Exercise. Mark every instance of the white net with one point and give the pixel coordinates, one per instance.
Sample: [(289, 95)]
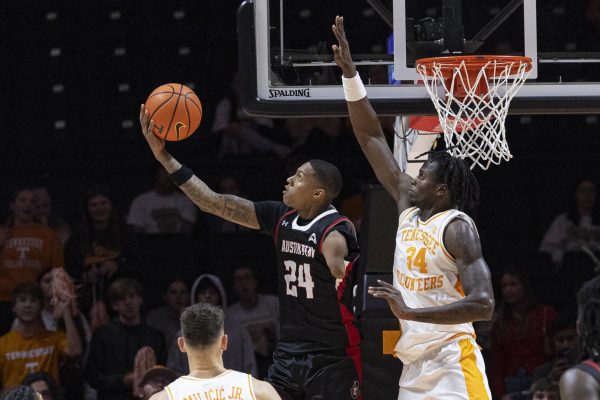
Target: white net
[(472, 99)]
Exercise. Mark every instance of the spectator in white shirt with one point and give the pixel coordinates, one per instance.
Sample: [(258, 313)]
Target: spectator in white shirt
[(576, 228), (162, 210)]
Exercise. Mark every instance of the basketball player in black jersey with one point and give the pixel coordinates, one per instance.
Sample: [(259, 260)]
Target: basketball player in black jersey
[(317, 356), (583, 380)]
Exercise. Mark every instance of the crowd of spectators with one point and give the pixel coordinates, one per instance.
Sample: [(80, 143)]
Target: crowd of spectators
[(98, 343)]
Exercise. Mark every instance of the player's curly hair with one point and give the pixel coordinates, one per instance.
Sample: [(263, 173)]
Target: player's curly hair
[(458, 177), (588, 300)]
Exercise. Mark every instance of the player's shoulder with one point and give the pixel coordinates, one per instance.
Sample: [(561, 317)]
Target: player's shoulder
[(460, 237), (337, 221), (337, 237), (458, 222), (263, 390), (459, 231), (578, 384), (341, 220), (162, 395)]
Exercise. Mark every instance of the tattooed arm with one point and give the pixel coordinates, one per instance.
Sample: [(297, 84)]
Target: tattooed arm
[(229, 207)]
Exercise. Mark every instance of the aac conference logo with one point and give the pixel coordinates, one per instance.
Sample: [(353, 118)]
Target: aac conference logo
[(289, 93)]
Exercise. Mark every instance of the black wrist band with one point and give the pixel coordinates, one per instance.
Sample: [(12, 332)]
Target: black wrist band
[(181, 176)]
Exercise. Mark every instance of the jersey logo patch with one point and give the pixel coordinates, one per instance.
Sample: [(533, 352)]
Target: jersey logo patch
[(355, 390), (313, 238)]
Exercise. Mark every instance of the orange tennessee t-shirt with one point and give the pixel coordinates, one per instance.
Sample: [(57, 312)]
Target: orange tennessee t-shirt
[(20, 356), (27, 251)]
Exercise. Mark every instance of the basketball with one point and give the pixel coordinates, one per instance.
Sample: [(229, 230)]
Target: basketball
[(176, 111)]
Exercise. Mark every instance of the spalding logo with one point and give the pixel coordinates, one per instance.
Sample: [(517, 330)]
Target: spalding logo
[(289, 93)]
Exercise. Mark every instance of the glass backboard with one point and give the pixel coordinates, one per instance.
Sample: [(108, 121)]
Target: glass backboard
[(287, 64)]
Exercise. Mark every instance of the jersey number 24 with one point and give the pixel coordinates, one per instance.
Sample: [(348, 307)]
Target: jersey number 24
[(298, 276)]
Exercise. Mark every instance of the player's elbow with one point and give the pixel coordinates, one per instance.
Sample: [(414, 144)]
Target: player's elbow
[(487, 308), (482, 306), (339, 272)]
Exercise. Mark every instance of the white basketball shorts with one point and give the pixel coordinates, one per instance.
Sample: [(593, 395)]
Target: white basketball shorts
[(453, 370)]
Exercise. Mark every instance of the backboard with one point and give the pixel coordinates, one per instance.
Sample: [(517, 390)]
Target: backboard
[(287, 66)]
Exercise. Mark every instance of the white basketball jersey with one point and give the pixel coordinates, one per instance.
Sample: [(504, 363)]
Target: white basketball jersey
[(426, 275), (229, 385)]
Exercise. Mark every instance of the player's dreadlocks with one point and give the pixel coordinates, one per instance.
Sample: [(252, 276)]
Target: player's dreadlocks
[(588, 300), (456, 174)]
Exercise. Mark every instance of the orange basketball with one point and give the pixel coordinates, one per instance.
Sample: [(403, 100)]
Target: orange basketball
[(176, 111)]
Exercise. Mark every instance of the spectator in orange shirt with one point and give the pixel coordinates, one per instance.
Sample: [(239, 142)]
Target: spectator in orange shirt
[(44, 213), (30, 347), (26, 248)]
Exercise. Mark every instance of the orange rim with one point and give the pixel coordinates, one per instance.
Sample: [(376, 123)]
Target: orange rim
[(469, 67), (474, 64)]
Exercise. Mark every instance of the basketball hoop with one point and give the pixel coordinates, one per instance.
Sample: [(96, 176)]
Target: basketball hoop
[(471, 95)]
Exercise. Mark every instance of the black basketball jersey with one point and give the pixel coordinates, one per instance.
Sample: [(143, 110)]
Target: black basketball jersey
[(315, 310)]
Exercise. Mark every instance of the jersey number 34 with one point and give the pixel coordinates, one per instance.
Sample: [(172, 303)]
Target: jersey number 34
[(298, 276), (415, 259)]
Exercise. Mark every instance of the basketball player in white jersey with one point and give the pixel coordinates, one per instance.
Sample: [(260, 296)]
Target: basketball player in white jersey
[(441, 281), (204, 342)]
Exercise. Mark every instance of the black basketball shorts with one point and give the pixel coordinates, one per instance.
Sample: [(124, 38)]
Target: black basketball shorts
[(315, 376)]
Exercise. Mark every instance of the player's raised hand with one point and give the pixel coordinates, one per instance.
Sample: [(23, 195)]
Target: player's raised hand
[(341, 51), (156, 144), (393, 297)]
